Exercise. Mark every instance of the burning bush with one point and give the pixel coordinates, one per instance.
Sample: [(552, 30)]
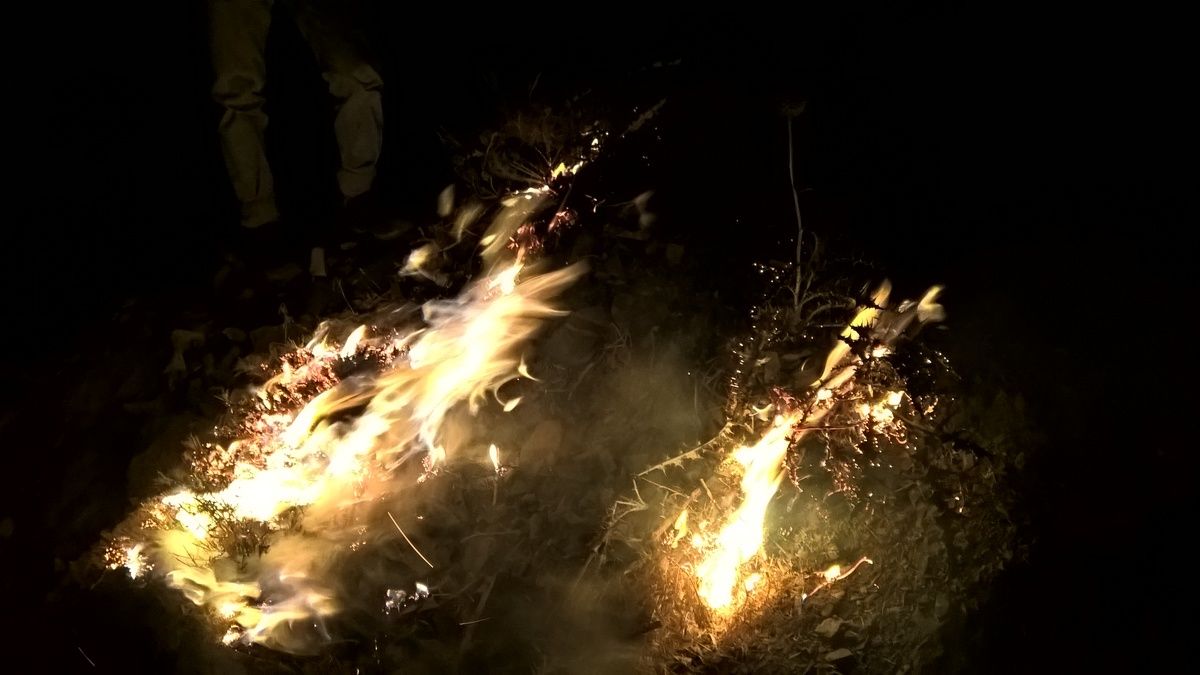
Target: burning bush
[(895, 519)]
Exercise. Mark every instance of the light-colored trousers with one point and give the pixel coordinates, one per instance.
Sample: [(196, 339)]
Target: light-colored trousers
[(238, 29)]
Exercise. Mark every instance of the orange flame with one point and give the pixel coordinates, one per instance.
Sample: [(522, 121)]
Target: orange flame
[(339, 469), (722, 575)]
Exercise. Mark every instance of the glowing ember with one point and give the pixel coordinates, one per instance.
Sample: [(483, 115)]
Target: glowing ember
[(319, 456), (397, 598), (131, 559), (832, 574)]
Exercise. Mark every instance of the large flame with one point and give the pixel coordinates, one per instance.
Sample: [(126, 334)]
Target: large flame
[(315, 475), (742, 536), (723, 574)]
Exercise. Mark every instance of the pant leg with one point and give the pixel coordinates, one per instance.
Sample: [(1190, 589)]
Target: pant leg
[(356, 87), (238, 31)]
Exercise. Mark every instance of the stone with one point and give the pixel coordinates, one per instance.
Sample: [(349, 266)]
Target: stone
[(829, 627), (838, 654)]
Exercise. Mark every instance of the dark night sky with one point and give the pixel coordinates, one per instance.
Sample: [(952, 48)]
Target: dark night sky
[(1032, 162)]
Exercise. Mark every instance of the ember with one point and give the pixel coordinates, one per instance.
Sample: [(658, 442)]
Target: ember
[(722, 569), (308, 478)]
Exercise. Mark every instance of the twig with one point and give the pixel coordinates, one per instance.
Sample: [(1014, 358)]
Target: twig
[(829, 427), (690, 454), (478, 611), (671, 490), (89, 659), (414, 547), (342, 289), (487, 534), (668, 522), (829, 582), (796, 204)]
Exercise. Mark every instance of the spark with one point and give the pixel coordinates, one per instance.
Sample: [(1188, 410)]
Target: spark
[(721, 574), (414, 547)]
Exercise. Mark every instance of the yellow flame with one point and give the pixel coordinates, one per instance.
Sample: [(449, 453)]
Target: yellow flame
[(752, 581), (563, 170), (832, 574), (721, 574), (338, 468), (742, 537), (134, 562), (494, 455)]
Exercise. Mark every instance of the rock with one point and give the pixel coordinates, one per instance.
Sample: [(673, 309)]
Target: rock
[(838, 654), (829, 627)]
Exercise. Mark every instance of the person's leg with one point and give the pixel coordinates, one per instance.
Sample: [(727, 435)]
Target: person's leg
[(238, 30), (358, 123)]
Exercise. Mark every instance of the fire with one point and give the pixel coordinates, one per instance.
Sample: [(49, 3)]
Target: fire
[(723, 579), (832, 574), (314, 475), (742, 537)]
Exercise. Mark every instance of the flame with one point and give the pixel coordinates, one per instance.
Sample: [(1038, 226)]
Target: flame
[(304, 456), (742, 537), (722, 578), (494, 455), (563, 170), (832, 574), (131, 558)]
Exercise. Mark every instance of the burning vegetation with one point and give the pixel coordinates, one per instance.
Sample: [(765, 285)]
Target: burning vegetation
[(494, 479)]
